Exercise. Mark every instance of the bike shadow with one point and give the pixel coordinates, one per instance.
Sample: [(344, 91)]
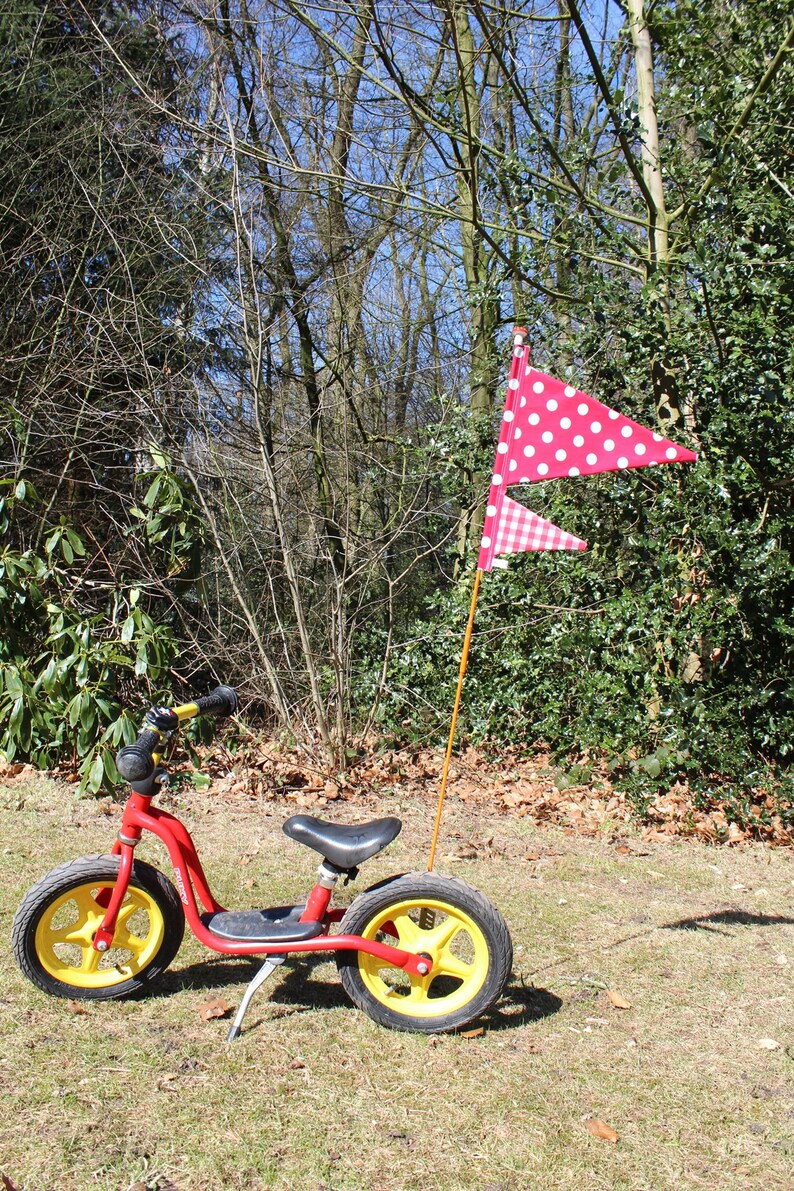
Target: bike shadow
[(727, 918), (295, 988)]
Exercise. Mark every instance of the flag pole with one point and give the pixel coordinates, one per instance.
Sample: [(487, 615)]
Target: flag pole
[(464, 657), (519, 335)]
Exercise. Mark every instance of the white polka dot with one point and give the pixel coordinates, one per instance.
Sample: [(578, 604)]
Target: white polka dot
[(561, 455), (570, 391), (582, 408), (512, 384), (578, 441), (529, 369), (542, 469), (491, 511), (538, 386), (623, 462), (529, 452), (671, 453), (513, 465), (502, 448), (524, 480), (614, 415), (485, 542), (565, 423), (627, 431), (496, 479), (639, 449), (534, 419), (609, 444), (595, 427), (517, 432), (552, 405), (573, 471), (523, 402), (547, 436), (592, 459), (657, 437), (509, 415)]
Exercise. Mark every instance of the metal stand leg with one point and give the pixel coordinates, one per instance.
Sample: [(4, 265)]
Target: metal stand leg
[(269, 966)]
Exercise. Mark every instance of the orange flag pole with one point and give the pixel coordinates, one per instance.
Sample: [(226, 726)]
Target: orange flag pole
[(464, 658)]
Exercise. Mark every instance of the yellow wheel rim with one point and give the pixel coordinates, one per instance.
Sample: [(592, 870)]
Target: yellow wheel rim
[(455, 944), (67, 927)]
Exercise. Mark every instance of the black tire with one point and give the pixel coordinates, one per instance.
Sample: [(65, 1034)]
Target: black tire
[(58, 917), (450, 921)]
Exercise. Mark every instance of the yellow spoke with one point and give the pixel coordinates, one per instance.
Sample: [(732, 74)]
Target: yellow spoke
[(419, 988), (91, 960), (408, 932), (82, 935), (449, 965), (123, 938), (87, 905), (126, 911), (441, 936)]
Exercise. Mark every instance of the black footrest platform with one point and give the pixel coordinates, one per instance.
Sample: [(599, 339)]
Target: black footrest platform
[(279, 924)]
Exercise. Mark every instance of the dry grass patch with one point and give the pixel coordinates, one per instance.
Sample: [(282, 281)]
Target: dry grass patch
[(699, 941)]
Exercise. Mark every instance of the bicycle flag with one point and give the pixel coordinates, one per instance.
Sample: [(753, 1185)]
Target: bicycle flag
[(550, 429), (520, 530)]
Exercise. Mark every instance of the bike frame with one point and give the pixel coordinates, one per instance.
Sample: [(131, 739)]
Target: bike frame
[(139, 816)]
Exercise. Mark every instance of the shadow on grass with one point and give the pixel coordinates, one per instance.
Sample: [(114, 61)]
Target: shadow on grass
[(713, 922), (293, 988)]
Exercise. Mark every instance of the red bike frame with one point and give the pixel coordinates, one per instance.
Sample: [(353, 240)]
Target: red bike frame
[(140, 816)]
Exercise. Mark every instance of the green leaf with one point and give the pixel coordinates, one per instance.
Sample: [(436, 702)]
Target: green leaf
[(96, 775), (76, 543), (87, 714)]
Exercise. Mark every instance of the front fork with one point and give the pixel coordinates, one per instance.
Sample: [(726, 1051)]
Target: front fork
[(125, 848)]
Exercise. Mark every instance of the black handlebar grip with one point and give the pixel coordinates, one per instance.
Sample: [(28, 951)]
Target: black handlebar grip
[(134, 762), (221, 701)]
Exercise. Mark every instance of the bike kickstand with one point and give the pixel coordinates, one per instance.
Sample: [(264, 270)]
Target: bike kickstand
[(268, 967)]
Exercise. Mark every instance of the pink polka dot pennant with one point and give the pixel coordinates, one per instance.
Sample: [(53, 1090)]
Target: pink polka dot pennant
[(550, 430), (564, 432)]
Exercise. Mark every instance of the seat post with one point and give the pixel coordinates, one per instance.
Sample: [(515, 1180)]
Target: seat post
[(320, 897)]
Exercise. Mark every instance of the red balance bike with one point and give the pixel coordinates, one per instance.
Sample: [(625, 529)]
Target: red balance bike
[(416, 952)]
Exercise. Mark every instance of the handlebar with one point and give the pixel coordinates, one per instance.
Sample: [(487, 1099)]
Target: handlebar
[(136, 762)]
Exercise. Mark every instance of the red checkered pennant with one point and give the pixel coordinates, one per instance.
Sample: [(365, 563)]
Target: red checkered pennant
[(521, 530), (550, 429)]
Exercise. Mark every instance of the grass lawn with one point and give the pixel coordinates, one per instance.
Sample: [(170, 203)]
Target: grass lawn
[(699, 940)]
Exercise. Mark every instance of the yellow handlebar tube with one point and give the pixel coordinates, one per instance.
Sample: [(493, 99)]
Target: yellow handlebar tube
[(185, 711)]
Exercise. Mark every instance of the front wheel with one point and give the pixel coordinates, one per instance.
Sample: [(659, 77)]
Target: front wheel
[(56, 922), (444, 918)]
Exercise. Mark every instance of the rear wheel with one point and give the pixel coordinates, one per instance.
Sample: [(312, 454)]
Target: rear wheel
[(56, 922), (463, 935)]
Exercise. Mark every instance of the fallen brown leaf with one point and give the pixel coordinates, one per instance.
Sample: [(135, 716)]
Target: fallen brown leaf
[(215, 1007), (472, 1033), (76, 1008), (618, 1001), (601, 1129)]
